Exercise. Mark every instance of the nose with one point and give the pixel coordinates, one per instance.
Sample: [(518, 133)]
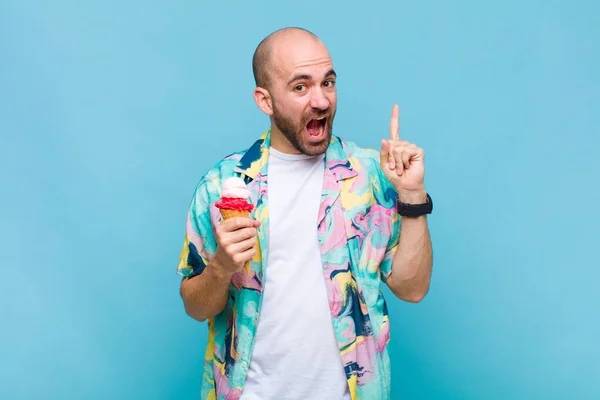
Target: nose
[(319, 100)]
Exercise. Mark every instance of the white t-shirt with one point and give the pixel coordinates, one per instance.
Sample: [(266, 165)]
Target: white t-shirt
[(295, 354)]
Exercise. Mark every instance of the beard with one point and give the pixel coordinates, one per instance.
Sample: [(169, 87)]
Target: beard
[(294, 131)]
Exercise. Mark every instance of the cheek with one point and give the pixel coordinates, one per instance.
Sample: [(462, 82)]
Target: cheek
[(332, 98), (293, 106), (300, 110), (302, 105)]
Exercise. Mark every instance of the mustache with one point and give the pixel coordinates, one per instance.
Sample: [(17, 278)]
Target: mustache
[(316, 115)]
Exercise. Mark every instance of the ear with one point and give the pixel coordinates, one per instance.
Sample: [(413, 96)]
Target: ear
[(262, 97)]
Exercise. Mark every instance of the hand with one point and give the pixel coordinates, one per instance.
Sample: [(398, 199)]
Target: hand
[(403, 164), (236, 238)]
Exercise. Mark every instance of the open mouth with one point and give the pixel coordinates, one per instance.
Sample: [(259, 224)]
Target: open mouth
[(316, 127)]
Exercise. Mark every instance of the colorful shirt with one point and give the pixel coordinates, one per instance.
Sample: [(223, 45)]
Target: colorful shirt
[(358, 231)]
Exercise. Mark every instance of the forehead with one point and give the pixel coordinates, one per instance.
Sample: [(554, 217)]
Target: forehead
[(307, 55)]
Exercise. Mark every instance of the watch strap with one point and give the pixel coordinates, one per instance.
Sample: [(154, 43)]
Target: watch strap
[(415, 210)]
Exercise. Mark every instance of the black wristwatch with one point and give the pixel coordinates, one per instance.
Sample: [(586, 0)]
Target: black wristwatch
[(414, 210)]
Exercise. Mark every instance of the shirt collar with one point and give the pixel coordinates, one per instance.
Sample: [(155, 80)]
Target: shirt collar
[(256, 157)]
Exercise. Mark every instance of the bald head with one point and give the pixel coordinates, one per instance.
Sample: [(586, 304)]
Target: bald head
[(262, 61), (296, 88)]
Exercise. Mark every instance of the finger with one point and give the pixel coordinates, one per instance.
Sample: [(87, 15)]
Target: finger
[(397, 154), (383, 153), (419, 154), (242, 247), (227, 238), (396, 143), (395, 123), (243, 257), (416, 153), (234, 224), (385, 156), (406, 155)]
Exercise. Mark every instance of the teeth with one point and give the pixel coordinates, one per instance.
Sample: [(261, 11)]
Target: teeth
[(318, 119)]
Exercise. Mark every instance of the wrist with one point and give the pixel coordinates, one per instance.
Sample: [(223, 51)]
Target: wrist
[(414, 204), (220, 271), (412, 196)]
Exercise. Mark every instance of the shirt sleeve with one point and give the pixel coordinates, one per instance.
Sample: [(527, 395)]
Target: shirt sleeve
[(385, 268), (387, 196), (199, 242)]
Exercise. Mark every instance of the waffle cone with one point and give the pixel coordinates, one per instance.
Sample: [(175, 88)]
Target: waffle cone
[(228, 214)]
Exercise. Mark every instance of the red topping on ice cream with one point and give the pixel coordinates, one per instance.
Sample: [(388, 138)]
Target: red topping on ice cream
[(234, 203), (234, 195)]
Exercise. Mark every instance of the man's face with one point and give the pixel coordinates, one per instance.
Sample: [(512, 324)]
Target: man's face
[(304, 95)]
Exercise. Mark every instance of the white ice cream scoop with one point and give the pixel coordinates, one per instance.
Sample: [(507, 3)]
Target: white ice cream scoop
[(235, 187)]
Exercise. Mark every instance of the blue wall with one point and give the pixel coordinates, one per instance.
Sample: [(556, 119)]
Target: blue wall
[(111, 111)]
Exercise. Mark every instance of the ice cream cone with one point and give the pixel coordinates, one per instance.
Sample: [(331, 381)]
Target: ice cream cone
[(234, 204), (228, 214)]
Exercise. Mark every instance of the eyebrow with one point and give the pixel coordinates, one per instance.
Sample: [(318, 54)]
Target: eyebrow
[(308, 77)]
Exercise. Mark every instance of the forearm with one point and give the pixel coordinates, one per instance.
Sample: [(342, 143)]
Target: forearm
[(412, 263), (205, 295), (403, 165)]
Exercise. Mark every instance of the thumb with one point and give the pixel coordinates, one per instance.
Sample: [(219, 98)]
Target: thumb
[(384, 153), (385, 156)]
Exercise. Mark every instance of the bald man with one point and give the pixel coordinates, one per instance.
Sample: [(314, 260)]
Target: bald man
[(331, 224)]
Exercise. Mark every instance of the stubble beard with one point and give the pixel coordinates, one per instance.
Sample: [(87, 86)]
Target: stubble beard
[(293, 132)]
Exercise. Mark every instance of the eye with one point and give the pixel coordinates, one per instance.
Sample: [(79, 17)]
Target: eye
[(299, 88), (329, 83)]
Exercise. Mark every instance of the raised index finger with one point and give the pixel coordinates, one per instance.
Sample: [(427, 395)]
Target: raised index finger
[(395, 123)]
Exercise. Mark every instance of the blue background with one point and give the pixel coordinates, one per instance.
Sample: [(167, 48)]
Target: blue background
[(110, 112)]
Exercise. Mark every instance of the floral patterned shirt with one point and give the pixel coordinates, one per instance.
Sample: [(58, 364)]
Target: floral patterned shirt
[(358, 230)]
